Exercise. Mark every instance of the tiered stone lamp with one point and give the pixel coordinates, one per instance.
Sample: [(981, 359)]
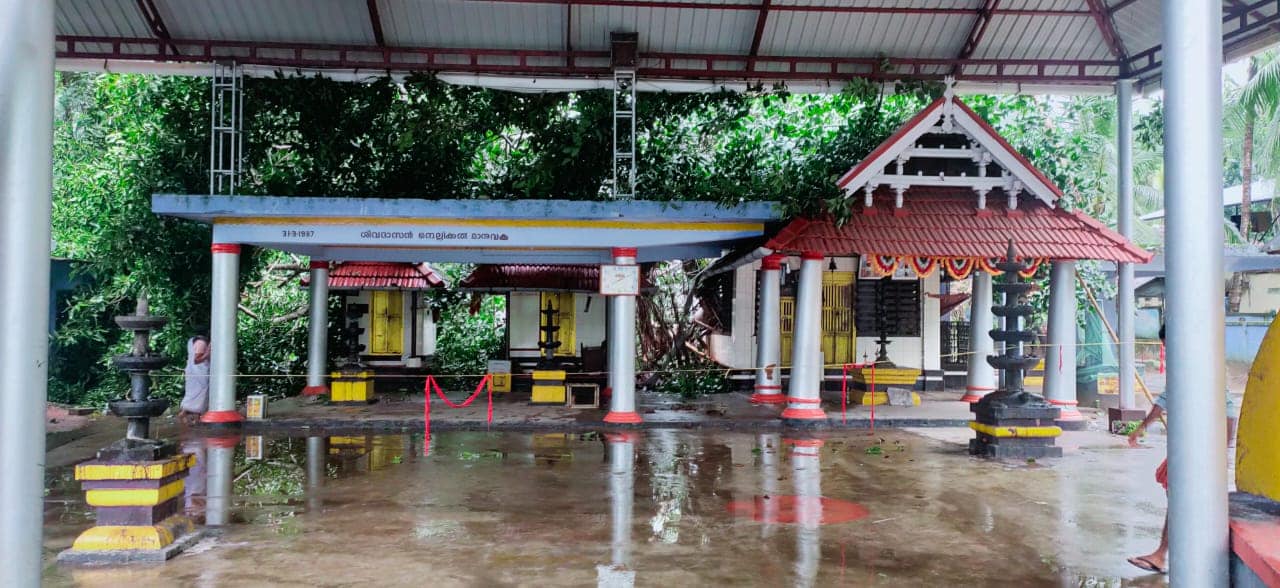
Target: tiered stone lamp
[(1012, 422), (548, 382), (874, 383), (135, 484)]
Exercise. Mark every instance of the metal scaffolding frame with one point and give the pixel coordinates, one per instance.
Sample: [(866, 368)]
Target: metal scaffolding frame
[(624, 134), (226, 119)]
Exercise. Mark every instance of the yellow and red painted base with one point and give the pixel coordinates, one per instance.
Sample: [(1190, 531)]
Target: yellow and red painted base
[(623, 418), (768, 395), (1255, 509), (320, 390), (803, 411), (973, 394), (138, 505)]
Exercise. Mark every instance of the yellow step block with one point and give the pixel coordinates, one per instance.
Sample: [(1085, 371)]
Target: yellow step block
[(878, 398), (544, 394), (1022, 432), (139, 537)]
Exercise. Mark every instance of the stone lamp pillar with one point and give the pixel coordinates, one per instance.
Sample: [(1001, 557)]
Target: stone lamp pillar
[(1012, 422), (135, 484)]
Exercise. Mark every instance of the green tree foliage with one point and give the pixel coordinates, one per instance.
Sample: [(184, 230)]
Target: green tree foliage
[(121, 138)]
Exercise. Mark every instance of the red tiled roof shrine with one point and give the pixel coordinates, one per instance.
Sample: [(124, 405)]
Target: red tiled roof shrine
[(381, 275), (945, 223), (544, 277), (575, 278)]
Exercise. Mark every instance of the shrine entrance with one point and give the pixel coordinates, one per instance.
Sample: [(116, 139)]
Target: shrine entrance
[(839, 335)]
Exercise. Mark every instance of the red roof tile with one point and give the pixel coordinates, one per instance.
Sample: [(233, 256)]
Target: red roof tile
[(578, 278), (943, 222), (379, 275)]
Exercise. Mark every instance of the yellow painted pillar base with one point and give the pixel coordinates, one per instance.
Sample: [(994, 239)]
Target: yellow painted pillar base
[(1257, 444), (138, 507)]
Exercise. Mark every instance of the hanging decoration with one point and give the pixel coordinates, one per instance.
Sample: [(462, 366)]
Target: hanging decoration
[(884, 265), (989, 266), (1031, 268), (958, 268), (923, 266)]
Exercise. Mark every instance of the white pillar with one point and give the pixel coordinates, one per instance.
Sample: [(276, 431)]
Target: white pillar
[(621, 495), (1194, 306), (981, 379), (806, 471), (622, 350), (770, 449), (221, 470), (768, 388), (26, 188), (317, 454), (1125, 308), (318, 330), (1060, 356), (804, 398), (222, 336)]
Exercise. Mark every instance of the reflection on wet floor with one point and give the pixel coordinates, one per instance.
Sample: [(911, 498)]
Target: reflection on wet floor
[(654, 507)]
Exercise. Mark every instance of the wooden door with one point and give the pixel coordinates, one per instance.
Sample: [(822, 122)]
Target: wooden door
[(837, 317), (386, 322)]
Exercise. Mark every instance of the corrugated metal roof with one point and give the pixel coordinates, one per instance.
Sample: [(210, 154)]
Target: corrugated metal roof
[(303, 21), (1061, 41)]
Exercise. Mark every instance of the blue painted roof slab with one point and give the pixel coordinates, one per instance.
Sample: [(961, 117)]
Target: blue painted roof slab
[(206, 208), (476, 231)]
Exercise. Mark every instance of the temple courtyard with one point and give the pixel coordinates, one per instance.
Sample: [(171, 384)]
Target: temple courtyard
[(652, 507)]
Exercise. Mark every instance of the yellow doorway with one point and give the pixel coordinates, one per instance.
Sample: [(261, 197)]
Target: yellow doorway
[(838, 331), (562, 303), (386, 322), (837, 317)]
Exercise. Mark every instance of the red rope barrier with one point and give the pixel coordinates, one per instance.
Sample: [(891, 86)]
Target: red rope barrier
[(431, 384)]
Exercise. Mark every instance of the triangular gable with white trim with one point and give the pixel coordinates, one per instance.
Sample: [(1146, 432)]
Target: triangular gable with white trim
[(932, 134)]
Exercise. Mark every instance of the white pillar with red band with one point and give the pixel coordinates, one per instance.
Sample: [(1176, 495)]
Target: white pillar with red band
[(622, 350), (222, 335), (768, 388), (806, 473), (1060, 356), (318, 330), (804, 402), (981, 379)]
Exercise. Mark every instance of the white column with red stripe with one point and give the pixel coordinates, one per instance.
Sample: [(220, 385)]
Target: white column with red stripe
[(1060, 356), (222, 335), (318, 330), (622, 350), (768, 388), (981, 379), (804, 402)]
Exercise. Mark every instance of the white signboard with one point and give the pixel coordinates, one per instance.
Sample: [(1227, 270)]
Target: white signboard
[(620, 280)]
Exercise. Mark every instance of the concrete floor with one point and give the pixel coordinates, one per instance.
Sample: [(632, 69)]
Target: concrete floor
[(658, 508)]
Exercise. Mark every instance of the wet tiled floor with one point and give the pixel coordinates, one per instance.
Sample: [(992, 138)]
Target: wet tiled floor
[(649, 508)]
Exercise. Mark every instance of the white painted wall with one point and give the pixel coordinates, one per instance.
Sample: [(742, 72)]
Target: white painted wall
[(523, 323), (590, 325), (931, 319)]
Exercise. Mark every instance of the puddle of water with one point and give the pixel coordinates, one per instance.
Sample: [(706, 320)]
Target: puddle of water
[(658, 507)]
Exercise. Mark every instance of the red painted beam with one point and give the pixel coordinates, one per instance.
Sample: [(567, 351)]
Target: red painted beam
[(761, 18), (154, 21), (702, 66), (376, 22), (1107, 29), (979, 29)]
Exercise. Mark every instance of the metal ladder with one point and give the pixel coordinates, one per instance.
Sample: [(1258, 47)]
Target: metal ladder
[(226, 142)]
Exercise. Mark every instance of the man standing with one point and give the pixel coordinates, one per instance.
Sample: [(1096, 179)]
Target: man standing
[(195, 400)]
